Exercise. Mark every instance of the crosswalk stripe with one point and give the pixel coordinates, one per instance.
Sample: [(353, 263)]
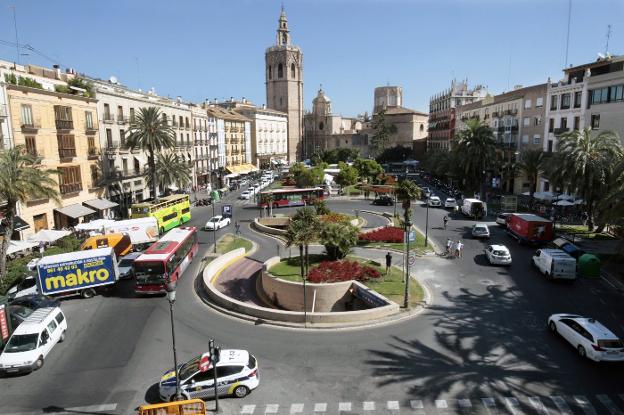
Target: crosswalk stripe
[(416, 404), (464, 403), (320, 407), (248, 409), (344, 406), (583, 402), (513, 405), (488, 402), (441, 404), (537, 404), (94, 408), (609, 404), (271, 408), (368, 406), (296, 408), (561, 404), (393, 405)]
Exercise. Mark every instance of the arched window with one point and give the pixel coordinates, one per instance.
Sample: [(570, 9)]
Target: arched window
[(292, 70), (280, 71), (270, 73), (321, 125), (422, 128)]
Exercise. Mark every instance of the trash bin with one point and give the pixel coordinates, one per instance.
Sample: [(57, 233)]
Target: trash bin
[(589, 266)]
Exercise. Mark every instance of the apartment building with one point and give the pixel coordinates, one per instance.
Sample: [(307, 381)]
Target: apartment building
[(269, 136), (442, 112), (201, 127), (57, 122)]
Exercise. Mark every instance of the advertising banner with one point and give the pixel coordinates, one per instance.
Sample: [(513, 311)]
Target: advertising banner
[(77, 274), (4, 325), (140, 231)]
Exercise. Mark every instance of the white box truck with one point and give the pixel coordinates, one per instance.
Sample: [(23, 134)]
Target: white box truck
[(142, 231)]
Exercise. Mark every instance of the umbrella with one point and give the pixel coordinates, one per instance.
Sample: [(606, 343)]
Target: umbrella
[(94, 225), (564, 203), (543, 195), (16, 246), (48, 235)]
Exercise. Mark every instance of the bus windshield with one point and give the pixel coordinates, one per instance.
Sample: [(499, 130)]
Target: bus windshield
[(149, 271)]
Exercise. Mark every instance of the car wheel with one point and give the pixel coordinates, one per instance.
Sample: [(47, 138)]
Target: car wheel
[(552, 326), (581, 351), (62, 338), (241, 391), (87, 293), (39, 363)]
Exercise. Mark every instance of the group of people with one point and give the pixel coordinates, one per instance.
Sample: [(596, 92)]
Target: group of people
[(454, 249)]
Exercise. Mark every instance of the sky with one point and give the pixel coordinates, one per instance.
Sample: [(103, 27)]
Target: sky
[(206, 49)]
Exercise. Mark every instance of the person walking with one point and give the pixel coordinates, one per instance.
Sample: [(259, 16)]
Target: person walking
[(388, 262), (445, 220), (458, 249), (237, 228), (449, 246)]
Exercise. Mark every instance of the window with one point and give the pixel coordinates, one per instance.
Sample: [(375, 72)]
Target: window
[(66, 146), (617, 93), (44, 338), (59, 318), (536, 139), (551, 125), (577, 123), (595, 121), (537, 121), (550, 146), (525, 139), (565, 101), (527, 104), (292, 71), (107, 114), (280, 71), (577, 99), (526, 121), (120, 113), (131, 114), (546, 184), (564, 123), (228, 370), (40, 222), (70, 180), (539, 102), (89, 120), (109, 137), (599, 96), (553, 103), (91, 145), (27, 115), (122, 137), (270, 72), (31, 146), (95, 175), (52, 326)]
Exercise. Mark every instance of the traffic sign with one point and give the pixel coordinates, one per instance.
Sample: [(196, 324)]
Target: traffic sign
[(412, 236), (204, 363), (412, 258)]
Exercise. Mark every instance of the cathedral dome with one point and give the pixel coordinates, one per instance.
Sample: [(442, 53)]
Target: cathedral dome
[(321, 97)]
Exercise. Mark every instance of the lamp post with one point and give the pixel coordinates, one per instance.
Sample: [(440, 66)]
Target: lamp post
[(427, 220), (408, 226), (170, 287), (305, 295), (214, 231)]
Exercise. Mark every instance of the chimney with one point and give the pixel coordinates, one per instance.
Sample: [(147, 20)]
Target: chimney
[(263, 106)]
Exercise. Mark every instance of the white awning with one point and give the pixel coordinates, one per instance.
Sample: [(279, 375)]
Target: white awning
[(75, 211), (48, 235), (17, 246), (100, 204)]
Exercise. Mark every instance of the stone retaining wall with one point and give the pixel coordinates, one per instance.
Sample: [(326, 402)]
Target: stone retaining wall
[(267, 229)]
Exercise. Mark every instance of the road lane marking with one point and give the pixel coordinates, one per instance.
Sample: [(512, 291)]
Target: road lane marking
[(561, 404), (609, 404), (464, 403), (488, 402), (393, 405), (538, 405), (93, 408), (368, 406), (248, 409), (513, 405), (271, 408), (344, 406), (416, 404), (441, 404), (296, 408), (583, 402), (320, 407)]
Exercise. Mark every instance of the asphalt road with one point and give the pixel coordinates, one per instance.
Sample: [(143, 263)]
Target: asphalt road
[(483, 337)]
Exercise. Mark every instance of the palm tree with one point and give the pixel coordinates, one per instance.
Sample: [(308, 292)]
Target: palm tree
[(589, 161), (407, 191), (338, 238), (476, 152), (22, 179), (172, 171), (531, 164), (151, 133), (302, 230)]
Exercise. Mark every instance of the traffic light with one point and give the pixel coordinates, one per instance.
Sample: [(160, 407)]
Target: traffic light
[(216, 354)]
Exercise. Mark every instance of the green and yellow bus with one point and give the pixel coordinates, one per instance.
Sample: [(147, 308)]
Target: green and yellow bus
[(170, 211)]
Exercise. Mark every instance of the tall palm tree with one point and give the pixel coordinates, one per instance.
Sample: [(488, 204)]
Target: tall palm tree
[(172, 170), (407, 191), (151, 133), (589, 161), (21, 179), (303, 229), (531, 164), (476, 152)]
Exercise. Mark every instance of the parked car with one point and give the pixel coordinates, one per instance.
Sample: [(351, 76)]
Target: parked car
[(555, 264), (216, 223), (27, 286), (383, 200), (590, 338), (480, 230), (237, 372), (434, 201), (501, 219), (35, 301), (498, 255), (245, 195), (450, 203), (125, 265)]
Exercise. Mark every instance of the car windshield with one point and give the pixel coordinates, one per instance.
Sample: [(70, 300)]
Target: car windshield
[(500, 253), (215, 219), (149, 271), (611, 344), (21, 343), (126, 263), (190, 368), (480, 228), (450, 200)]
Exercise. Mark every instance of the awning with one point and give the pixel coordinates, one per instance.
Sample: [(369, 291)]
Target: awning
[(230, 176), (48, 235), (17, 246), (75, 211), (100, 204), (19, 224), (241, 168)]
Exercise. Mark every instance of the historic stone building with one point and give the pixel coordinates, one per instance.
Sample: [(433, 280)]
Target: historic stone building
[(284, 85)]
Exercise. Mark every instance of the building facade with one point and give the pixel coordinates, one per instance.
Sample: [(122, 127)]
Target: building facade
[(442, 116), (269, 136), (284, 85), (202, 146), (387, 96)]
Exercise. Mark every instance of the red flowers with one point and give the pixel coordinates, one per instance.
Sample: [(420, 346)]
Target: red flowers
[(336, 271), (387, 234)]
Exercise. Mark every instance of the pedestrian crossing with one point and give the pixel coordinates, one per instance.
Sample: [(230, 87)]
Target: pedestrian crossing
[(513, 405)]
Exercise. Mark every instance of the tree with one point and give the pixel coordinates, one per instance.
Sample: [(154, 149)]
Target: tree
[(173, 170), (395, 154), (531, 164), (320, 206), (407, 191), (151, 133), (476, 153), (310, 177), (338, 238), (348, 175), (22, 179), (335, 155), (302, 230), (382, 130), (368, 169), (589, 161)]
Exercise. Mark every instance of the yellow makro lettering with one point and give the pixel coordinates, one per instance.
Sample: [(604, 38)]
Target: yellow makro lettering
[(77, 279)]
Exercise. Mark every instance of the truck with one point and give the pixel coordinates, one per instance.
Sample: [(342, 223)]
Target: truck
[(77, 273), (529, 228), (474, 208), (142, 231)]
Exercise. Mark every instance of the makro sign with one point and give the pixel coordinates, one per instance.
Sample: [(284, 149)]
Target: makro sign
[(77, 274)]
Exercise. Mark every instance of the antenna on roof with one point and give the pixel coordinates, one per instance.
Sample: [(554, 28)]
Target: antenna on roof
[(608, 37), (568, 35)]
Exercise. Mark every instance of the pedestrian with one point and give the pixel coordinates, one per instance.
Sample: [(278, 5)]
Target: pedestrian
[(237, 227), (449, 246), (445, 220), (458, 249), (388, 262)]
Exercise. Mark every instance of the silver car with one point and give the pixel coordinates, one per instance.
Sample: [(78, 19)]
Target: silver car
[(480, 230)]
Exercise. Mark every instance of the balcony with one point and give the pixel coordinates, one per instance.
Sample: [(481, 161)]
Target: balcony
[(91, 129), (112, 147), (93, 153), (70, 188), (108, 119), (495, 114), (64, 124), (561, 130), (66, 154), (31, 126), (122, 120)]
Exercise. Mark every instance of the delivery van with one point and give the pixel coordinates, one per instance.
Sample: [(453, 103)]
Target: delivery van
[(474, 208), (555, 264), (120, 243)]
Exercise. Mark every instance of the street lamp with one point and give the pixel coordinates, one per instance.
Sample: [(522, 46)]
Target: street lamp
[(427, 220), (408, 226), (170, 287), (214, 231)]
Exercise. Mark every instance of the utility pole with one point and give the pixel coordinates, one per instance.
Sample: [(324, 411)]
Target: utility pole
[(17, 47)]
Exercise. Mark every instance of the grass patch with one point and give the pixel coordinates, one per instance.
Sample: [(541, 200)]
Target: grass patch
[(229, 242), (580, 231), (390, 286)]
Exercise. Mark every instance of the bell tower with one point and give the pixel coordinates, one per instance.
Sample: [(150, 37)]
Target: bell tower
[(284, 84)]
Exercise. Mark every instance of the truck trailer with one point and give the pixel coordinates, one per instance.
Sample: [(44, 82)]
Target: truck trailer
[(529, 228)]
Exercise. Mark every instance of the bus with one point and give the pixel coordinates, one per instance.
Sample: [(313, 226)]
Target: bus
[(290, 197), (170, 211), (165, 261)]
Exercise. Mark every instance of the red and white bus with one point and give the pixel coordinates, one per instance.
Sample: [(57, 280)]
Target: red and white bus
[(165, 260), (290, 197)]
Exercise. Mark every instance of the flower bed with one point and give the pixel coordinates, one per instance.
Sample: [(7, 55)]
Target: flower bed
[(334, 218), (336, 271), (387, 234)]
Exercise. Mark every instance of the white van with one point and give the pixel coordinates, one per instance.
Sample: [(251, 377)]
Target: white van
[(32, 340), (469, 205), (555, 264)]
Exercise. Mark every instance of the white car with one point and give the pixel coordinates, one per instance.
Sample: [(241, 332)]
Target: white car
[(32, 341), (590, 338), (450, 203), (216, 223), (125, 265), (434, 201), (480, 230), (27, 286), (245, 195), (498, 255), (501, 219), (237, 374)]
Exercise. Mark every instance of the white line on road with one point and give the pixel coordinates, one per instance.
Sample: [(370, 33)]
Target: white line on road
[(248, 409), (561, 404), (416, 404), (441, 404), (513, 405), (464, 403), (320, 407), (584, 403), (538, 405), (368, 406), (609, 404), (488, 402), (393, 405), (296, 408), (344, 406), (271, 408), (94, 408)]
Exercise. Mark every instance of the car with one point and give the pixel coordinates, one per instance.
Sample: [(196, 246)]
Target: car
[(555, 264), (237, 372), (480, 230), (588, 336), (434, 201), (35, 301), (27, 286), (125, 265), (383, 200), (498, 255), (501, 219), (426, 192), (244, 182), (450, 203), (245, 195), (216, 223)]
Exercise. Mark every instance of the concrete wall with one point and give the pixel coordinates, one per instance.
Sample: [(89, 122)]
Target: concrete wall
[(265, 229)]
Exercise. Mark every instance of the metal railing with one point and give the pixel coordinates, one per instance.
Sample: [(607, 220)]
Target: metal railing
[(70, 188), (64, 124), (66, 153), (108, 118)]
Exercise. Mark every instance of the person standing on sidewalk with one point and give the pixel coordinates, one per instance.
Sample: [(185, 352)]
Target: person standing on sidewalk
[(458, 249), (388, 262), (445, 220), (449, 246)]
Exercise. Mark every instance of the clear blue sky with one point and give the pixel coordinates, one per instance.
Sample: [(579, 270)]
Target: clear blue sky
[(214, 48)]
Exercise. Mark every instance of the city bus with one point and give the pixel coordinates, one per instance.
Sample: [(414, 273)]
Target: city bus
[(166, 260), (290, 197), (170, 211)]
